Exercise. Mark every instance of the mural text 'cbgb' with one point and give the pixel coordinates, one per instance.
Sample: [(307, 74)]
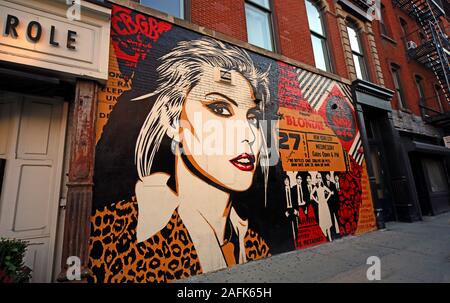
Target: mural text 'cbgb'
[(209, 155)]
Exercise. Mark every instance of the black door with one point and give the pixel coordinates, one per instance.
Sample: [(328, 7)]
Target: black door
[(421, 184), (379, 164)]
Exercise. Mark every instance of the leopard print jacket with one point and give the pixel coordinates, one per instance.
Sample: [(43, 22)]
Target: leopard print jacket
[(116, 256)]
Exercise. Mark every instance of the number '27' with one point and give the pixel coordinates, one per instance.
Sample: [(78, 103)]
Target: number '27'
[(284, 138)]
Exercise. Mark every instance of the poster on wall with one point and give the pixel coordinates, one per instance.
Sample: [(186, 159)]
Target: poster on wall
[(307, 143), (209, 155)]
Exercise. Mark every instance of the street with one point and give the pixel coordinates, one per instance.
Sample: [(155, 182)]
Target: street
[(409, 252)]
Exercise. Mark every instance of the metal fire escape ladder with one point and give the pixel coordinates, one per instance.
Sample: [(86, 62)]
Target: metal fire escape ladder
[(434, 52)]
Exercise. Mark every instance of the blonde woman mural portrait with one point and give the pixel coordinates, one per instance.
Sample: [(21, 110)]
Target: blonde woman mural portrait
[(209, 99)]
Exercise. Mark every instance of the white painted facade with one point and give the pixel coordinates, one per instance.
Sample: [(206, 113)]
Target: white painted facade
[(38, 40)]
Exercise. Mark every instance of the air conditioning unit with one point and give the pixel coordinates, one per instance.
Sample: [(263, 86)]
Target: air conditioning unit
[(411, 45)]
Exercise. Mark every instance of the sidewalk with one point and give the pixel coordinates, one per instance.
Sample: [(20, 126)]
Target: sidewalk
[(409, 252)]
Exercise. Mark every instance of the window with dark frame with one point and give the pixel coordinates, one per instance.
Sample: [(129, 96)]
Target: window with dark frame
[(437, 95), (383, 27), (171, 7), (258, 15), (404, 27), (318, 36), (419, 84), (357, 51), (398, 85), (435, 172)]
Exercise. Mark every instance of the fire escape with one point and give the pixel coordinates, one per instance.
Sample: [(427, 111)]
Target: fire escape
[(433, 52)]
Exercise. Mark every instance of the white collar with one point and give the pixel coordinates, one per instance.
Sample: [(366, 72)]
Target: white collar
[(205, 241), (154, 213)]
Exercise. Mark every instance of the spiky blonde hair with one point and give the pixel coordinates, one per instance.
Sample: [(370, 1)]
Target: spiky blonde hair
[(180, 70)]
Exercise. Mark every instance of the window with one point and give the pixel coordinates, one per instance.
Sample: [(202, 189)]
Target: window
[(172, 7), (357, 52), (437, 95), (318, 37), (397, 85), (436, 175), (404, 27), (420, 89), (383, 27), (259, 29)]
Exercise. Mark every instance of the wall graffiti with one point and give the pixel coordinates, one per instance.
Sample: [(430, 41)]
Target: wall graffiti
[(209, 155)]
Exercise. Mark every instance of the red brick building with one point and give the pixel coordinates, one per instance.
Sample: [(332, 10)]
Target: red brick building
[(388, 60), (290, 30), (395, 56), (412, 42)]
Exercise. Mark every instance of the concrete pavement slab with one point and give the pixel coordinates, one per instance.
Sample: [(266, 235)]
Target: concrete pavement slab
[(408, 252)]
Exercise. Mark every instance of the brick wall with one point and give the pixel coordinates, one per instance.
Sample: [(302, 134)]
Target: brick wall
[(224, 16), (294, 41), (293, 35)]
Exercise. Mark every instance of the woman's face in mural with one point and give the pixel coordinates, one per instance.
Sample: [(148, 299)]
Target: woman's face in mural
[(287, 181), (219, 130), (319, 179)]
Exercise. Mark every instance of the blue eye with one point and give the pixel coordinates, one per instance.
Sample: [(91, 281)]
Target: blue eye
[(220, 108)]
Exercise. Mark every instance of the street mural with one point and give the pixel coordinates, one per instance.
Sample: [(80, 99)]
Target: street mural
[(209, 155)]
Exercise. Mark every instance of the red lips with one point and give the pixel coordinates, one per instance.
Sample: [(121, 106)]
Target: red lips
[(245, 162)]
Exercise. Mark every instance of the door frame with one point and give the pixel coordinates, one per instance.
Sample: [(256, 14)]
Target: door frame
[(421, 184), (373, 119), (59, 163)]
